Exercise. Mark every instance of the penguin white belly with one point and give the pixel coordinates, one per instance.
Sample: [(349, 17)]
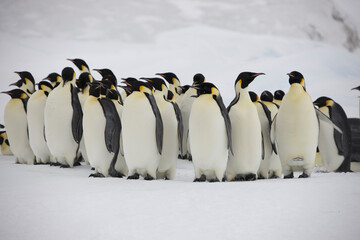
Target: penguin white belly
[(94, 128), (297, 130), (58, 129), (35, 118), (169, 156), (246, 139), (327, 146), (17, 132), (139, 140), (208, 139), (120, 165)]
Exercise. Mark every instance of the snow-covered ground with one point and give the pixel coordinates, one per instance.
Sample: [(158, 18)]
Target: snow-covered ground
[(43, 202), (219, 39)]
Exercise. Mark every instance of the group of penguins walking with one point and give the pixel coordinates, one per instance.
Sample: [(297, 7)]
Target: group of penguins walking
[(142, 131)]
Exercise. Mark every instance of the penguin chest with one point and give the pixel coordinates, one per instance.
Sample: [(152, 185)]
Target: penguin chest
[(207, 134), (139, 129)]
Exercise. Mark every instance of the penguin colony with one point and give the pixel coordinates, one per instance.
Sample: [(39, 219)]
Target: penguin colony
[(142, 131)]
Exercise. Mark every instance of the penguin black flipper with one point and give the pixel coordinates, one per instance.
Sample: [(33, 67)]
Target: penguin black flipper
[(272, 134), (233, 102), (112, 132), (159, 123), (76, 122), (225, 114), (267, 112), (180, 123), (276, 105)]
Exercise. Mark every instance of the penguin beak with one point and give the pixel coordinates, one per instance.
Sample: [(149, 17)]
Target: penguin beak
[(8, 93), (160, 74), (258, 74), (146, 79), (289, 74), (356, 88), (98, 70), (71, 60), (17, 83)]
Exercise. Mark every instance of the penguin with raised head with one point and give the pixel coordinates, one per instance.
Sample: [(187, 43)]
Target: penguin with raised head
[(80, 64), (26, 83), (334, 147), (174, 82), (185, 107), (246, 132), (4, 144), (172, 122), (17, 127), (63, 120), (278, 96), (142, 140), (36, 125), (295, 129), (265, 122), (275, 165), (209, 134)]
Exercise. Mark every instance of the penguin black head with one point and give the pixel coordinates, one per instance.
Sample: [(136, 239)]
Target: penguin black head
[(112, 94), (1, 126), (85, 79), (323, 101), (110, 80), (129, 80), (17, 93), (105, 72), (184, 88), (95, 89), (68, 74), (80, 64), (245, 78), (266, 96), (157, 83), (253, 96), (356, 88), (128, 89), (206, 88), (26, 76), (53, 77), (296, 77), (140, 86), (198, 79), (279, 95), (45, 86), (170, 77), (18, 83)]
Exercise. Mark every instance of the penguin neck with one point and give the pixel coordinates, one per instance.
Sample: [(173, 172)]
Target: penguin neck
[(244, 95), (296, 90)]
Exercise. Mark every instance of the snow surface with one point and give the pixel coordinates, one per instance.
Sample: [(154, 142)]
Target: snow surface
[(43, 202), (219, 39)]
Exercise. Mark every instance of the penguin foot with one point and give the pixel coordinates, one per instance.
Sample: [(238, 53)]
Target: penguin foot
[(239, 178), (304, 175), (273, 177), (148, 177), (190, 158), (134, 176), (64, 166), (250, 177), (291, 175), (55, 164), (97, 175), (223, 179), (260, 176), (116, 174), (214, 180), (200, 179), (77, 163)]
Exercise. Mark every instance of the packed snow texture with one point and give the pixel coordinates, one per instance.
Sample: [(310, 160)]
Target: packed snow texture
[(220, 39)]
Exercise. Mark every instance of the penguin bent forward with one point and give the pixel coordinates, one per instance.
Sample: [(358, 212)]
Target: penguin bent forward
[(209, 134), (142, 132)]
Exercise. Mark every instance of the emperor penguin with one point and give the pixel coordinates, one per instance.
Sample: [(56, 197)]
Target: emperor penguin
[(185, 107), (26, 82), (36, 126), (172, 122), (265, 122), (209, 134), (246, 132), (55, 79), (102, 128), (278, 96), (295, 129), (142, 132), (63, 120), (80, 64), (183, 91), (17, 127), (5, 145), (275, 165), (174, 82), (335, 148)]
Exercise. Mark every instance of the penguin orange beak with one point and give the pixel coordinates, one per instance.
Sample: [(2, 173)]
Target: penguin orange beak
[(98, 70), (356, 88)]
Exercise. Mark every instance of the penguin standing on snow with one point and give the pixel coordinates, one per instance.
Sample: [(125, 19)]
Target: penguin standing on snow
[(174, 83), (17, 127), (4, 143), (185, 107), (26, 83), (210, 134), (246, 132), (172, 121), (335, 148), (142, 132), (35, 118), (63, 120), (265, 121)]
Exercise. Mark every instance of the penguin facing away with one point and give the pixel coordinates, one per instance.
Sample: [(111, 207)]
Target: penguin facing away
[(334, 147), (5, 145), (63, 120), (209, 134), (35, 119), (172, 122), (246, 132), (142, 132), (17, 127)]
